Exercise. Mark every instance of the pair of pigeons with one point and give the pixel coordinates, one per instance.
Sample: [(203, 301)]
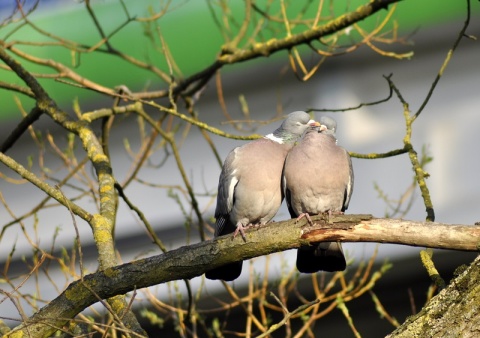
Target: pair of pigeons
[(314, 176)]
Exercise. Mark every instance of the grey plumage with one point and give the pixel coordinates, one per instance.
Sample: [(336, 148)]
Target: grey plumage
[(249, 187), (318, 178)]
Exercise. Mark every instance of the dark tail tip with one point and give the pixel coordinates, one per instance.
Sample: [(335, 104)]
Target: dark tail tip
[(324, 257), (227, 272)]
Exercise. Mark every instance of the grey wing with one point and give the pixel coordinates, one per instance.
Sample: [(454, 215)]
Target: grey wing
[(287, 194), (226, 192), (349, 187)]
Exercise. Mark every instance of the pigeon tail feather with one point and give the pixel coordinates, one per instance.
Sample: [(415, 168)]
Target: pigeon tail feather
[(326, 256), (227, 272)]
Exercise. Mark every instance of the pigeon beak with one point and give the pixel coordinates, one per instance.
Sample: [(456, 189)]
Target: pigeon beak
[(323, 127), (313, 123)]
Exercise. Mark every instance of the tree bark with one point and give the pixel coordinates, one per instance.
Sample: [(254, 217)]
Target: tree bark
[(454, 312)]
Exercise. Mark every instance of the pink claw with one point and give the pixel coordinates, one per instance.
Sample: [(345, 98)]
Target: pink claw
[(307, 216), (241, 229)]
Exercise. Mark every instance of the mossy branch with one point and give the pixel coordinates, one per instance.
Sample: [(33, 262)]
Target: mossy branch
[(420, 174), (137, 107), (102, 223)]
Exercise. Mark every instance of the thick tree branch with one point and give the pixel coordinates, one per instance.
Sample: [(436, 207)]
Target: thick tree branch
[(396, 231), (452, 313), (192, 261)]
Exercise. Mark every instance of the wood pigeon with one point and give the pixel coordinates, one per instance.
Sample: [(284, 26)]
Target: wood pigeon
[(318, 178), (250, 184)]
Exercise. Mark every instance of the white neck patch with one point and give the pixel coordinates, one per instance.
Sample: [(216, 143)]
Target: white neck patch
[(274, 138)]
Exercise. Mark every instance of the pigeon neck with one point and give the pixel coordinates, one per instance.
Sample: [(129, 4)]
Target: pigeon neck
[(274, 138), (281, 136)]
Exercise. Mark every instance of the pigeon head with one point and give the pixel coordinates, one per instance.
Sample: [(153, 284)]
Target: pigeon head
[(328, 125), (294, 126)]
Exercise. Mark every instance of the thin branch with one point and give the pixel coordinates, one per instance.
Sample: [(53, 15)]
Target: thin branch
[(420, 174), (18, 131), (48, 189), (360, 105), (142, 217), (373, 156), (426, 256), (17, 88), (461, 35)]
